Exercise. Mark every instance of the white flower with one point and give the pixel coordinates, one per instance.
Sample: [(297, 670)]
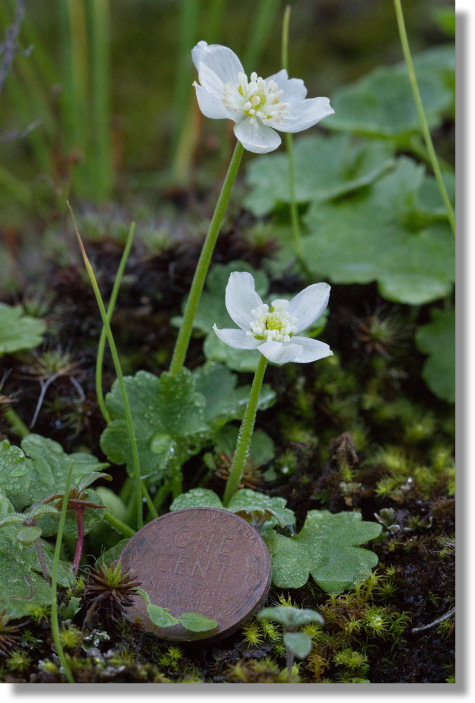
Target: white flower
[(258, 106), (274, 331)]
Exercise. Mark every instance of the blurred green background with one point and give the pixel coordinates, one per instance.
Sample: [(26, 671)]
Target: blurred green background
[(105, 87)]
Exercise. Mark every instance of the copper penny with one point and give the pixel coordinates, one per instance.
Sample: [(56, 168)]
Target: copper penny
[(206, 560)]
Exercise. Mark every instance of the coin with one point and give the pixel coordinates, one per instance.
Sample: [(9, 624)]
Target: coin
[(205, 560)]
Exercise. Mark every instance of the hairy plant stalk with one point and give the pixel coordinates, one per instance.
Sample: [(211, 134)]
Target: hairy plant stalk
[(42, 560), (422, 117), (184, 334), (245, 433), (54, 580), (289, 659), (80, 540)]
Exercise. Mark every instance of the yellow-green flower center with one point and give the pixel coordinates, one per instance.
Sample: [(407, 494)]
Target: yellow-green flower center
[(275, 324)]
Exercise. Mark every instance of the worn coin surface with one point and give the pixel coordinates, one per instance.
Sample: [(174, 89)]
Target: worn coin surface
[(206, 560)]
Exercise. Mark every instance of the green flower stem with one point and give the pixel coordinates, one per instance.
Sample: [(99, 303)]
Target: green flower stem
[(245, 433), (294, 215), (118, 524), (139, 486), (54, 580), (184, 335), (16, 423), (420, 109), (110, 311), (161, 495), (148, 500)]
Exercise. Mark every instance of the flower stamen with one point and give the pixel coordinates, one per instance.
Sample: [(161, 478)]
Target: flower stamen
[(275, 324), (255, 98)]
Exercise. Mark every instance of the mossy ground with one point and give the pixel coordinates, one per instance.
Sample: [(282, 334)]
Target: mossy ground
[(360, 431)]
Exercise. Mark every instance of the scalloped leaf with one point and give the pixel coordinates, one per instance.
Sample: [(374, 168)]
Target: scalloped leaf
[(437, 339), (327, 548), (18, 331), (225, 401), (39, 469), (381, 104), (197, 498), (22, 587), (348, 166), (241, 500), (378, 235), (168, 416)]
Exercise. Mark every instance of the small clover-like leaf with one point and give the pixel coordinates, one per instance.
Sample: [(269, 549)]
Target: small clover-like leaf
[(298, 643), (327, 548), (290, 617), (437, 339), (194, 622), (18, 331)]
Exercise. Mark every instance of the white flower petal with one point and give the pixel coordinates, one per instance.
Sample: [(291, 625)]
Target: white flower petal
[(294, 88), (220, 59), (280, 353), (303, 114), (308, 305), (236, 338), (256, 137), (210, 105), (311, 349), (197, 52), (241, 298), (210, 81)]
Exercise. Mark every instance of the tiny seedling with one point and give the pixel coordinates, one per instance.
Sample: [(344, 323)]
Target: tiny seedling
[(297, 644), (161, 617)]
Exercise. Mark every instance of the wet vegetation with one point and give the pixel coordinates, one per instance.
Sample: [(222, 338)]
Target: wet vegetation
[(368, 430)]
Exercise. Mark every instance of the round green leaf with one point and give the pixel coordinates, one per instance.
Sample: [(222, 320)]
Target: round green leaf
[(298, 643), (196, 622), (160, 616)]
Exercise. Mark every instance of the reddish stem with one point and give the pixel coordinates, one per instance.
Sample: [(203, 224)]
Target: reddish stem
[(79, 511)]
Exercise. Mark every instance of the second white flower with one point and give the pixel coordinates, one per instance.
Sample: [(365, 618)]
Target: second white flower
[(273, 330)]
